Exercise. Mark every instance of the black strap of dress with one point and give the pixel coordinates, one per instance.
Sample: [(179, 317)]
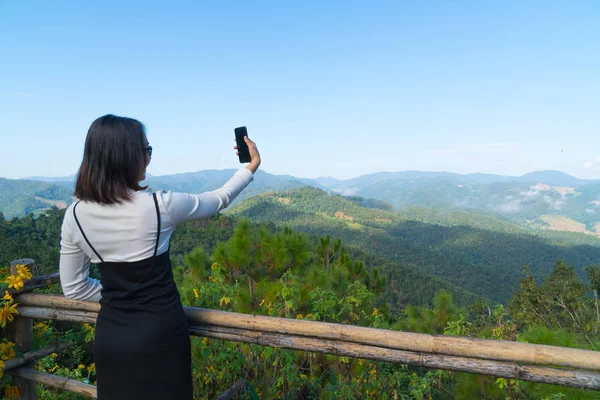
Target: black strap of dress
[(83, 233), (158, 223), (92, 247)]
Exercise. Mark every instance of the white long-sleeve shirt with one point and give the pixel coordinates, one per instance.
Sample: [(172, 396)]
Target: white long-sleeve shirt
[(126, 232)]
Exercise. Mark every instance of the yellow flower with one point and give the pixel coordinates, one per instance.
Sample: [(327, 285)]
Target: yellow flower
[(303, 376), (225, 300), (214, 266), (1, 368), (54, 355), (92, 368), (14, 281), (39, 326), (6, 314), (261, 303), (299, 316), (24, 272), (196, 293), (6, 351), (205, 341), (12, 393), (7, 296), (375, 312), (80, 366)]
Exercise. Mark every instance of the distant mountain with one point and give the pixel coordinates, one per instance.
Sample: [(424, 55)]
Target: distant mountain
[(533, 200), (549, 200), (475, 252), (19, 197), (202, 181), (70, 178), (22, 197), (555, 178)]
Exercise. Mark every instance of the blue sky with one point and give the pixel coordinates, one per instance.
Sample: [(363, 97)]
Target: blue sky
[(325, 88)]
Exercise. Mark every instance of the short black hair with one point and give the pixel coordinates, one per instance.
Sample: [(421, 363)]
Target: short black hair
[(113, 160)]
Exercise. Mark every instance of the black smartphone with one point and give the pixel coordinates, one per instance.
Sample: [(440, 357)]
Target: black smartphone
[(242, 147)]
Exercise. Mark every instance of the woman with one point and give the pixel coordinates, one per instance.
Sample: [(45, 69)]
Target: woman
[(142, 345)]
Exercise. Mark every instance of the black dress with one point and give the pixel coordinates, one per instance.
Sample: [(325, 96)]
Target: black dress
[(142, 344)]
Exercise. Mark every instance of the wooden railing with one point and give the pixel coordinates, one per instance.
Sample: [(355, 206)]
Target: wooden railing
[(523, 361)]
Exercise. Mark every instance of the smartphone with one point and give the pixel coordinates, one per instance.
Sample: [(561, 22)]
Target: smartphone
[(242, 147)]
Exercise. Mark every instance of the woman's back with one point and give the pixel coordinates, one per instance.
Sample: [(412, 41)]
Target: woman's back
[(142, 344), (119, 232)]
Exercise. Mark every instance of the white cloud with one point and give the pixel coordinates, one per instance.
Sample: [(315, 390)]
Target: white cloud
[(594, 165), (557, 204), (531, 193), (513, 204), (512, 207), (524, 161)]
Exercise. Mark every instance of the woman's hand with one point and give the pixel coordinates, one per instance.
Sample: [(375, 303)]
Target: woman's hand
[(254, 155)]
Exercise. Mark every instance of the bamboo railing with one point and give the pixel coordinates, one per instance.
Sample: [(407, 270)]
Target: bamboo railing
[(523, 361)]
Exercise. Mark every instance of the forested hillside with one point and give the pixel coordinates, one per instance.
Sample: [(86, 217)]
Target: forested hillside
[(21, 197), (482, 256)]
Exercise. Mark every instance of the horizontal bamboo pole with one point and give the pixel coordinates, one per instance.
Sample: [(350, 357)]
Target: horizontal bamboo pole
[(497, 350), (36, 355), (59, 382), (232, 391), (37, 282), (57, 314), (56, 301), (423, 343), (578, 379), (582, 379)]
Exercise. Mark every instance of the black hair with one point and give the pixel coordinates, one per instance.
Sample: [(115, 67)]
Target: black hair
[(114, 159)]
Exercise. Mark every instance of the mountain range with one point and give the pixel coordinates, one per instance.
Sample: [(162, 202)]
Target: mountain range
[(544, 200)]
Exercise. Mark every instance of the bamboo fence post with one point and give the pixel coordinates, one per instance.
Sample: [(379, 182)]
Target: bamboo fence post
[(28, 262), (21, 332)]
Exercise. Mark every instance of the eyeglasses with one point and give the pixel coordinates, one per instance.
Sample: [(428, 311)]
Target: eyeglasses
[(149, 149)]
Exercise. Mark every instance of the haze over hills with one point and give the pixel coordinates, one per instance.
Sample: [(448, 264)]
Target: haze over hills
[(545, 199), (549, 200)]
